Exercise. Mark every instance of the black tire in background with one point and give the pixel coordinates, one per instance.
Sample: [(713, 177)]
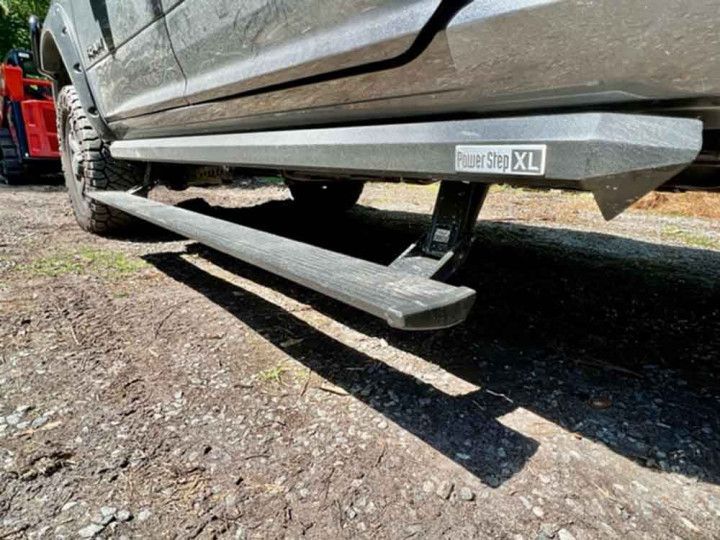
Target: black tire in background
[(11, 168), (87, 166), (335, 196)]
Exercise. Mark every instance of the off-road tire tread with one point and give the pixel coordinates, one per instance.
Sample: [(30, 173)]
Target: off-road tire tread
[(101, 171), (11, 168)]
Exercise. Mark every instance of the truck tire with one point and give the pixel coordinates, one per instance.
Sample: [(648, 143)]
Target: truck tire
[(337, 196), (87, 166), (11, 168)]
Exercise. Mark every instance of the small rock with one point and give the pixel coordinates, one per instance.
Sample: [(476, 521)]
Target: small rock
[(123, 515), (466, 494), (640, 487), (144, 514), (539, 512), (22, 409), (428, 486), (600, 402), (108, 511), (444, 490), (13, 419), (68, 505), (291, 342), (107, 516), (549, 529), (39, 422), (91, 530), (382, 425), (564, 534), (689, 524), (103, 520), (493, 481), (351, 513)]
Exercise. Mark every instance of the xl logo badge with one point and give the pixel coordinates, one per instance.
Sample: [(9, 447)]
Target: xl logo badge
[(514, 160), (527, 161)]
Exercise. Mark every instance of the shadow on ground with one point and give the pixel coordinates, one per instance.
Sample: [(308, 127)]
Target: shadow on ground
[(48, 184), (613, 339)]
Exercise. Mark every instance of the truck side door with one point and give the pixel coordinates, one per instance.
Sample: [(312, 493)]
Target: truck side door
[(127, 56), (226, 47)]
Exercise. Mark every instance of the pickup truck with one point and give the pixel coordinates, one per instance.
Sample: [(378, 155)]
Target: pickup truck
[(615, 98)]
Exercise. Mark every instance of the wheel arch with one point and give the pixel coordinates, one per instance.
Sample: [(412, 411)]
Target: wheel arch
[(60, 59)]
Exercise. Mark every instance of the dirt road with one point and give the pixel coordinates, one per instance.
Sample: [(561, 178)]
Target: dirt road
[(153, 388)]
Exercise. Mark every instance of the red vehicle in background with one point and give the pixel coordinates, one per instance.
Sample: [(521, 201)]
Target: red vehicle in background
[(28, 133)]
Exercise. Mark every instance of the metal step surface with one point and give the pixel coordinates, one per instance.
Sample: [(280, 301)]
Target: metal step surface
[(618, 157), (403, 300)]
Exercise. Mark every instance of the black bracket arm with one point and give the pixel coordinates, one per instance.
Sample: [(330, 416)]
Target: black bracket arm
[(442, 250)]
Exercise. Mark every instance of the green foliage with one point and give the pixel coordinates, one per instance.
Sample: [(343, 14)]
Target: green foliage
[(14, 16), (273, 375), (84, 260), (689, 238)]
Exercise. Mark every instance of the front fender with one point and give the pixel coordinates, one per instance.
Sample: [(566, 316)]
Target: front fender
[(60, 59)]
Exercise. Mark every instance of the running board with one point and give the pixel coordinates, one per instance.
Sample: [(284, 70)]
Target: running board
[(405, 301), (618, 157)]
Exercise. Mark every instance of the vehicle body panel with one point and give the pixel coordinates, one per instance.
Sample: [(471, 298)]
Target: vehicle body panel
[(140, 77), (167, 5), (226, 47), (500, 56), (85, 42), (108, 25)]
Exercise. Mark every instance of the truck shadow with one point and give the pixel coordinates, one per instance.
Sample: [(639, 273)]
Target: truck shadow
[(613, 339), (443, 421)]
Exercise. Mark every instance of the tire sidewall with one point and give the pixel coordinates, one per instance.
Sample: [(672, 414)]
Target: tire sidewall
[(76, 189)]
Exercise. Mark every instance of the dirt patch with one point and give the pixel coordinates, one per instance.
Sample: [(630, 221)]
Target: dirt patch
[(704, 205), (154, 388)]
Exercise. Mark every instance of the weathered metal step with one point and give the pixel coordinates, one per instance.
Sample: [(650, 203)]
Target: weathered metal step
[(619, 157), (403, 300)]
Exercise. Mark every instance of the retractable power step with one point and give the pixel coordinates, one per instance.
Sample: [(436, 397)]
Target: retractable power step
[(405, 301)]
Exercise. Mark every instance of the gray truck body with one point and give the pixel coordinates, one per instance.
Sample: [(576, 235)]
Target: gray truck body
[(613, 97), (173, 67)]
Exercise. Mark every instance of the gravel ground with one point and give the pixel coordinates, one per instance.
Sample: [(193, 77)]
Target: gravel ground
[(153, 388)]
